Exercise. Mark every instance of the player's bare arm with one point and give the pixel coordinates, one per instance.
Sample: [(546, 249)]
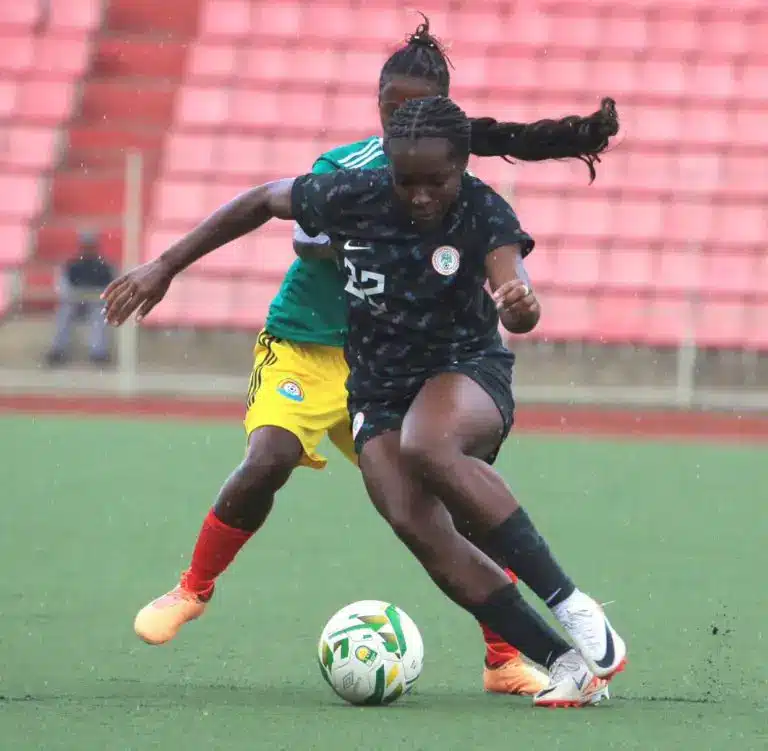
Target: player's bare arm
[(145, 286), (519, 310)]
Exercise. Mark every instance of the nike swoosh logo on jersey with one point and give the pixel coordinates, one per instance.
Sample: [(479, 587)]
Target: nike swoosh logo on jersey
[(610, 652), (348, 245)]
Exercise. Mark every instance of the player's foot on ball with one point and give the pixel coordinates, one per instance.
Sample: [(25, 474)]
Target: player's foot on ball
[(603, 649), (515, 676), (158, 622), (571, 684)]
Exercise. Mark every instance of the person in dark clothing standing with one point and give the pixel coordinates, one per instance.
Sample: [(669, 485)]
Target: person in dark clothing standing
[(81, 280)]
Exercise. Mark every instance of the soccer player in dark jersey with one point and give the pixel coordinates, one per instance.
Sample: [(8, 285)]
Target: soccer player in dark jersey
[(297, 392), (430, 380)]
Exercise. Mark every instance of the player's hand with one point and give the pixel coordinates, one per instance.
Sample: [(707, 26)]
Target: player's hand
[(517, 305), (138, 290), (515, 296)]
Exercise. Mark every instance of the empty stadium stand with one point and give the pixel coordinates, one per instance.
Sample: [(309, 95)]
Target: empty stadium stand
[(668, 245), (43, 56)]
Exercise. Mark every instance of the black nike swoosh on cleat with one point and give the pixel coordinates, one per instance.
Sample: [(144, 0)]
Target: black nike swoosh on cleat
[(580, 682), (610, 652), (545, 691)]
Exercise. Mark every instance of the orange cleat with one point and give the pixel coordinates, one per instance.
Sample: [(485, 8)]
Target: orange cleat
[(516, 676), (160, 621)]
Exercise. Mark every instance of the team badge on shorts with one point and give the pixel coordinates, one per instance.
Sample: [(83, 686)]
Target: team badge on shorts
[(445, 260), (357, 423), (291, 390)]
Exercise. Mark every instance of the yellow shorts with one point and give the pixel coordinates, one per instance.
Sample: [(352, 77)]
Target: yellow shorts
[(302, 389)]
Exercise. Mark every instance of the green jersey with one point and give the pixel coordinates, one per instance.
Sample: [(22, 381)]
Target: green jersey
[(310, 305)]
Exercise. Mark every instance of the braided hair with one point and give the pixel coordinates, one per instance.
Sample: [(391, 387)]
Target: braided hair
[(573, 137), (422, 57)]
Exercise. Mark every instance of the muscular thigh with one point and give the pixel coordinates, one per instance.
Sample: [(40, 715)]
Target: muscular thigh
[(454, 410)]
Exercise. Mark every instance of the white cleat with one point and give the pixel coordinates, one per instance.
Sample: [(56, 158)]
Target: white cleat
[(603, 649), (571, 684)]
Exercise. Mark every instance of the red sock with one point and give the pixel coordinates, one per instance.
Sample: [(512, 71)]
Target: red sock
[(216, 547), (497, 651)]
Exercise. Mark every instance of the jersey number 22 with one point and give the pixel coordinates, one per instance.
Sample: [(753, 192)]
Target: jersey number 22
[(366, 285)]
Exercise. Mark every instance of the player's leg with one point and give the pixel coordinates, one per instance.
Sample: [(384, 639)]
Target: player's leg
[(505, 671), (283, 430), (453, 421), (468, 576)]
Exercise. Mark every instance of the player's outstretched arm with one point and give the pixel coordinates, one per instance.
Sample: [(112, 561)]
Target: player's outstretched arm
[(145, 286), (519, 310)]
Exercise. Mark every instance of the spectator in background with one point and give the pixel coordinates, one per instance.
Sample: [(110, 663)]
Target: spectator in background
[(80, 283)]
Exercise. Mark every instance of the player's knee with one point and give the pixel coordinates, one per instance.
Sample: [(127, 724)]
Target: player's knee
[(262, 472), (425, 456)]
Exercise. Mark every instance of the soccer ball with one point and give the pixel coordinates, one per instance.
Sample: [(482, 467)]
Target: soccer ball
[(370, 652)]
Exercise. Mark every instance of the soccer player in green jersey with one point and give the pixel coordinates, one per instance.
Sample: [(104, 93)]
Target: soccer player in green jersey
[(297, 391)]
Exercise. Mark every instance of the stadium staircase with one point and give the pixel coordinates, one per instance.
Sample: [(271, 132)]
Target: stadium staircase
[(125, 101)]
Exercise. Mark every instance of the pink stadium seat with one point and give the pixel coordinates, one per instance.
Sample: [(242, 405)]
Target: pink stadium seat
[(620, 317), (29, 148), (755, 335), (13, 243), (577, 267), (61, 57), (281, 20), (630, 269), (740, 225), (181, 202), (203, 106), (18, 16), (78, 15), (678, 272), (670, 322), (8, 92), (20, 196), (565, 316), (225, 18), (18, 54), (720, 323), (44, 102), (190, 154), (213, 62), (730, 272)]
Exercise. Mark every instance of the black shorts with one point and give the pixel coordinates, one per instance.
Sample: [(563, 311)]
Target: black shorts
[(492, 372)]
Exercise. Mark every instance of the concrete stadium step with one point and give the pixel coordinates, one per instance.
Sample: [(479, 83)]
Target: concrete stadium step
[(139, 56), (135, 16)]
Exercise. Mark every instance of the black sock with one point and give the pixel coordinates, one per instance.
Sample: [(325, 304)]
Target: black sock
[(527, 554), (512, 618)]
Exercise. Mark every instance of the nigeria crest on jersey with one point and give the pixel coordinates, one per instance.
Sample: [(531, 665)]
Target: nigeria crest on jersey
[(445, 260)]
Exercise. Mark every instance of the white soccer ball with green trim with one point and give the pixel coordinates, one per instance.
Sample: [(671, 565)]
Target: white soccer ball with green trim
[(371, 653)]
